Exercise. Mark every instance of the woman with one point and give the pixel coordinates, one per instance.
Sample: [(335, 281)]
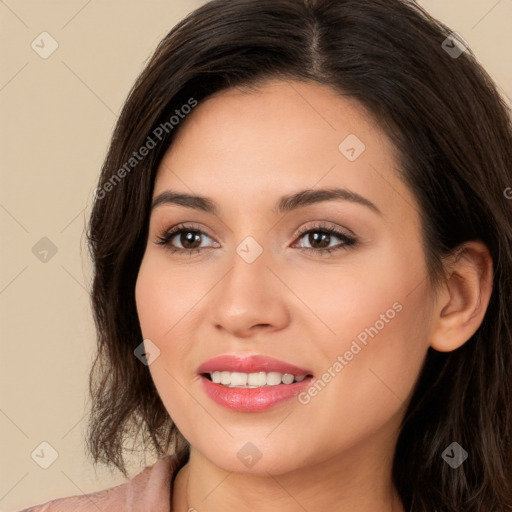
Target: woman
[(302, 249)]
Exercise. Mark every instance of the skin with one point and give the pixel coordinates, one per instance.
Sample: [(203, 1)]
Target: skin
[(244, 150)]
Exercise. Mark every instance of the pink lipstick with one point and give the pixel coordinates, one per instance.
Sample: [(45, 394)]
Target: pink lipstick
[(251, 383)]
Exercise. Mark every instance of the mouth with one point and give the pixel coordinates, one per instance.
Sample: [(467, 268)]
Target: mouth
[(251, 383)]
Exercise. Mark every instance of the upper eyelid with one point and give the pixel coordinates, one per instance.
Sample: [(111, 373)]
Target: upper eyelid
[(319, 226), (326, 225)]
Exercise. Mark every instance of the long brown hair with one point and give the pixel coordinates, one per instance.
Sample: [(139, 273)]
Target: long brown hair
[(453, 135)]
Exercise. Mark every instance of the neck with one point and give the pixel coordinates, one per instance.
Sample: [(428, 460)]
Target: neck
[(353, 482)]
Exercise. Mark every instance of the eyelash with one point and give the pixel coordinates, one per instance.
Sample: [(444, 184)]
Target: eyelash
[(348, 241)]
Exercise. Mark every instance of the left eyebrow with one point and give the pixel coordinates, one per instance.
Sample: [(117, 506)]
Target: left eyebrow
[(285, 204), (311, 196)]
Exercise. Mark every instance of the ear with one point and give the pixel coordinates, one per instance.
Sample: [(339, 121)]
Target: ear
[(463, 297)]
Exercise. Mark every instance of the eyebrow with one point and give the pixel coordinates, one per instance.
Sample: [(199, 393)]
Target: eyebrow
[(285, 204)]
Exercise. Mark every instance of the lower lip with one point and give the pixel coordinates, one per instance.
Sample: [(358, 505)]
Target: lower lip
[(252, 399)]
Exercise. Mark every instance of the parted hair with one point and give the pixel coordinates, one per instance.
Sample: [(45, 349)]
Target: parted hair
[(452, 132)]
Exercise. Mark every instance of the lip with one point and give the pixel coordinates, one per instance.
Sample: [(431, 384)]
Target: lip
[(250, 364), (251, 399)]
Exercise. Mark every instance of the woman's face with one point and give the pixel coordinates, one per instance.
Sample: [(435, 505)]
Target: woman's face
[(355, 321)]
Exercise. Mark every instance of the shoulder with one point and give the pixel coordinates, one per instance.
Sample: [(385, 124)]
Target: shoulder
[(149, 490)]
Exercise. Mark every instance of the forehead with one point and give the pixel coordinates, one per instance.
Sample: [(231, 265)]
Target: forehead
[(247, 120), (245, 146)]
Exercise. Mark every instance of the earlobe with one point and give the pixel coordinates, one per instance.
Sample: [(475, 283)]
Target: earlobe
[(464, 297)]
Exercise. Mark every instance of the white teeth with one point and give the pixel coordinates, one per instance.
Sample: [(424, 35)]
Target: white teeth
[(253, 380), (273, 378), (287, 378), (257, 379), (238, 379)]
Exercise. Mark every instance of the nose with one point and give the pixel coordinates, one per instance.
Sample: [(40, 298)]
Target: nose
[(250, 299)]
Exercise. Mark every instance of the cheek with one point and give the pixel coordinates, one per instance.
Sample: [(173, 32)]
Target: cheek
[(377, 295), (380, 317), (163, 311), (165, 298), (164, 308), (377, 375)]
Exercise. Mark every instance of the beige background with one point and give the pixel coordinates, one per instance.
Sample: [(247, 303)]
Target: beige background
[(56, 117)]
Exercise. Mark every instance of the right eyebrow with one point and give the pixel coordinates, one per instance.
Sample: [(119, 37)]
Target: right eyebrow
[(190, 201)]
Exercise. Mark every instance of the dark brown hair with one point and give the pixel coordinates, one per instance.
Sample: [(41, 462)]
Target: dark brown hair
[(453, 134)]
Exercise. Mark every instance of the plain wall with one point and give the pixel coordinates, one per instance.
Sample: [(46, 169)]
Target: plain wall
[(56, 118)]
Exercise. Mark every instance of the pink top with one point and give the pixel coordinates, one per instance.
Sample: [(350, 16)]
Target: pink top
[(148, 491)]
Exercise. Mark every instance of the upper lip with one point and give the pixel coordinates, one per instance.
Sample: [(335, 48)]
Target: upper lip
[(250, 364)]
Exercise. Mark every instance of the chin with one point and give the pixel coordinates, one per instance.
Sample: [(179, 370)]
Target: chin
[(256, 457)]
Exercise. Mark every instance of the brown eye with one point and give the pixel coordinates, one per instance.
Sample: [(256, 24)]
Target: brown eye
[(189, 239), (320, 238), (184, 239)]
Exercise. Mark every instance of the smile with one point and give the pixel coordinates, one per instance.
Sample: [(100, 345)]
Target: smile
[(251, 383), (252, 380)]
